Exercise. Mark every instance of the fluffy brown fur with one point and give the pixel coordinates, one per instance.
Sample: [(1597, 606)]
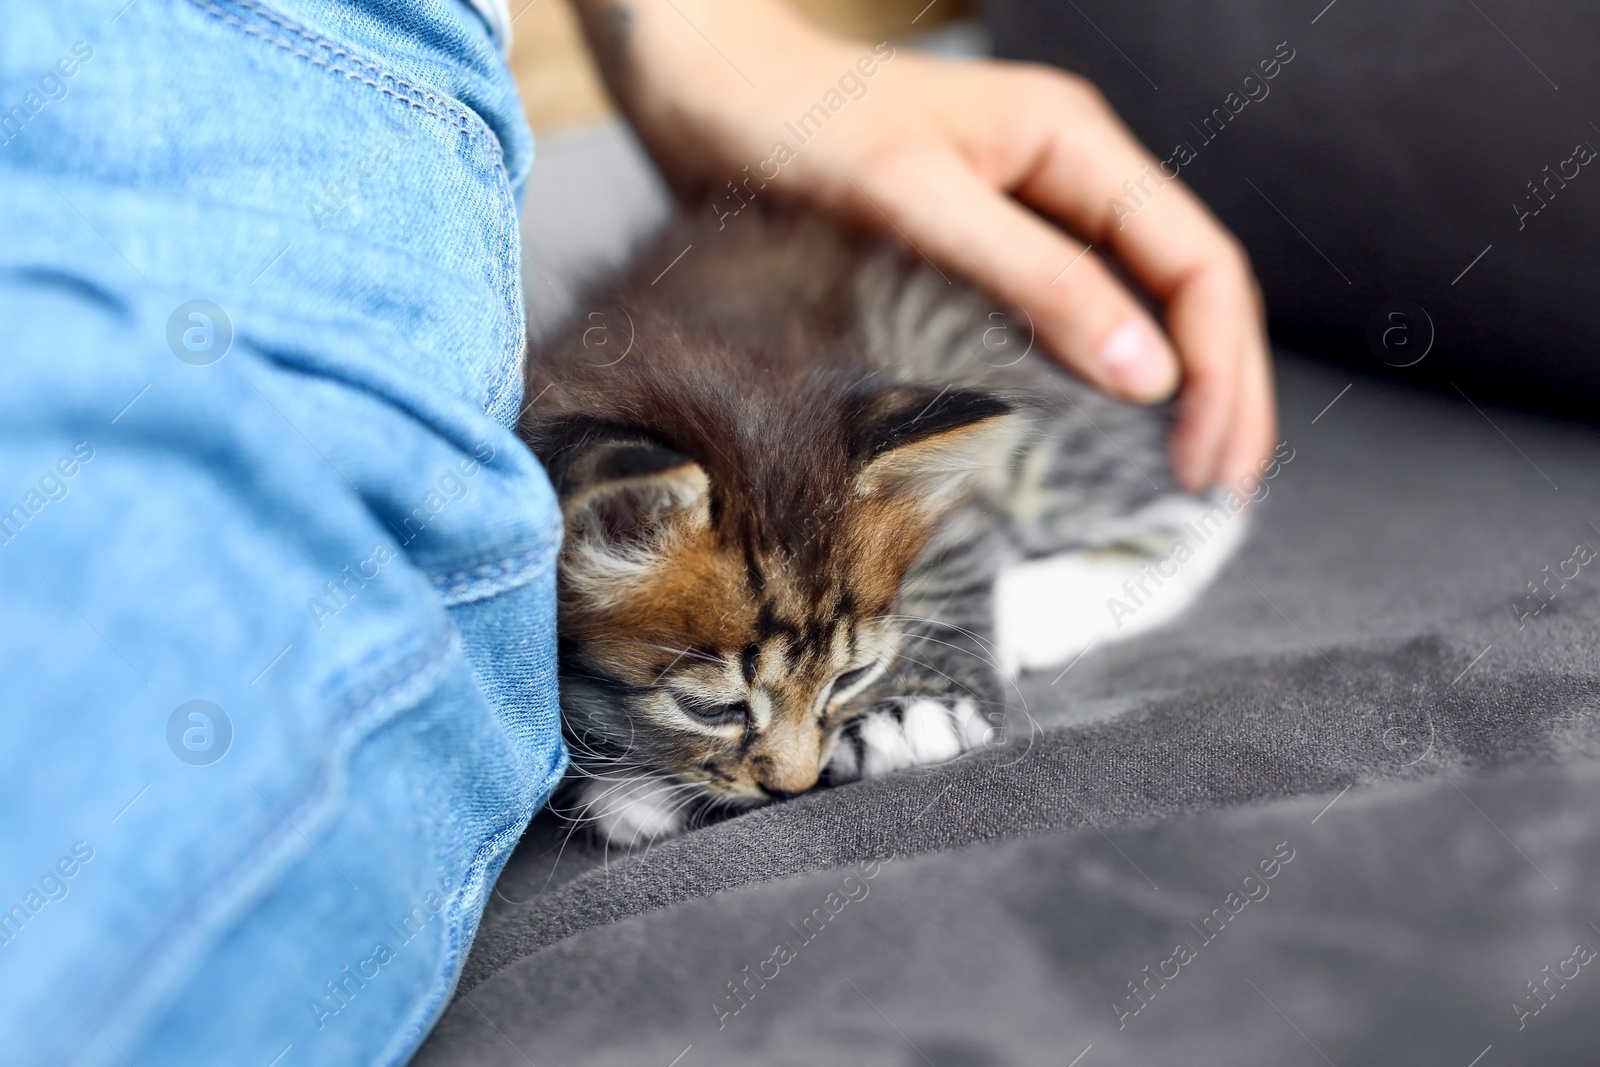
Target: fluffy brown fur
[(744, 491), (821, 503)]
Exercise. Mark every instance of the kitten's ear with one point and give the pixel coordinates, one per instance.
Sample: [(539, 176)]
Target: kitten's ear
[(631, 498), (926, 445)]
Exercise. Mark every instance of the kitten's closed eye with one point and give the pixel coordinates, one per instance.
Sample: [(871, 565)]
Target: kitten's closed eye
[(843, 683), (717, 714)]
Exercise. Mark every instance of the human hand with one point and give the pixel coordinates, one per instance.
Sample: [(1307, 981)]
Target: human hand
[(974, 163)]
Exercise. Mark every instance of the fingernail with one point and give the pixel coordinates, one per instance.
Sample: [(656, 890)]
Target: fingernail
[(1137, 360)]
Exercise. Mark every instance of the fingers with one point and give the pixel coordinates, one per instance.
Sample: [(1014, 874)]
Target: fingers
[(1255, 428), (1079, 310), (1092, 175), (1225, 412)]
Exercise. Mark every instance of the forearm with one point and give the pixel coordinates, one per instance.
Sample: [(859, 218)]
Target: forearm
[(691, 75)]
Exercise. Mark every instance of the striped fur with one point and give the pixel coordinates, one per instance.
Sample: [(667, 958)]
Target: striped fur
[(787, 509)]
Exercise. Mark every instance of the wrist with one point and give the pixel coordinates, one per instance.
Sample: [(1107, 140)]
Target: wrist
[(690, 75)]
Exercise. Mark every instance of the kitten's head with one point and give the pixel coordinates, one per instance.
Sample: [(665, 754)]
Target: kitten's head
[(726, 604)]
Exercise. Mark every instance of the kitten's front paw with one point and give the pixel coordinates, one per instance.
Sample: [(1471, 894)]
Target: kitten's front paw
[(909, 732), (631, 811)]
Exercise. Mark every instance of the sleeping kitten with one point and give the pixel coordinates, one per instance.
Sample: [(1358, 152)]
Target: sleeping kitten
[(821, 506)]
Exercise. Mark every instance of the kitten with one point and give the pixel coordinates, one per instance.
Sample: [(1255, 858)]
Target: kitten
[(821, 505)]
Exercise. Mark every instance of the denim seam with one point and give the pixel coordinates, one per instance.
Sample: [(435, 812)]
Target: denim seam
[(514, 363), (412, 96), (489, 579), (359, 69), (253, 861), (410, 1035)]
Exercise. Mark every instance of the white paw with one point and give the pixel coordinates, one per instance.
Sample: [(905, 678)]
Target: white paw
[(1048, 610), (915, 731), (631, 811)]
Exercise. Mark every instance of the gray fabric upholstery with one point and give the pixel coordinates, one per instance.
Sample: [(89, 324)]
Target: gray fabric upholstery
[(1365, 638), (1400, 932)]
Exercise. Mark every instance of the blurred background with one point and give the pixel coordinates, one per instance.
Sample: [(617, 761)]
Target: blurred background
[(561, 88)]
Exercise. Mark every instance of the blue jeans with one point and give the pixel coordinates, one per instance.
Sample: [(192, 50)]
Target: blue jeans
[(277, 650)]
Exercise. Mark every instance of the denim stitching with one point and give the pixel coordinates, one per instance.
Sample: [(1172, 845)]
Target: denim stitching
[(454, 958), (404, 91), (412, 96), (468, 123), (488, 579), (460, 113), (347, 715)]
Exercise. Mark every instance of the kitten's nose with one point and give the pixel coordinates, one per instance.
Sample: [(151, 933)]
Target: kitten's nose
[(789, 778), (787, 760)]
